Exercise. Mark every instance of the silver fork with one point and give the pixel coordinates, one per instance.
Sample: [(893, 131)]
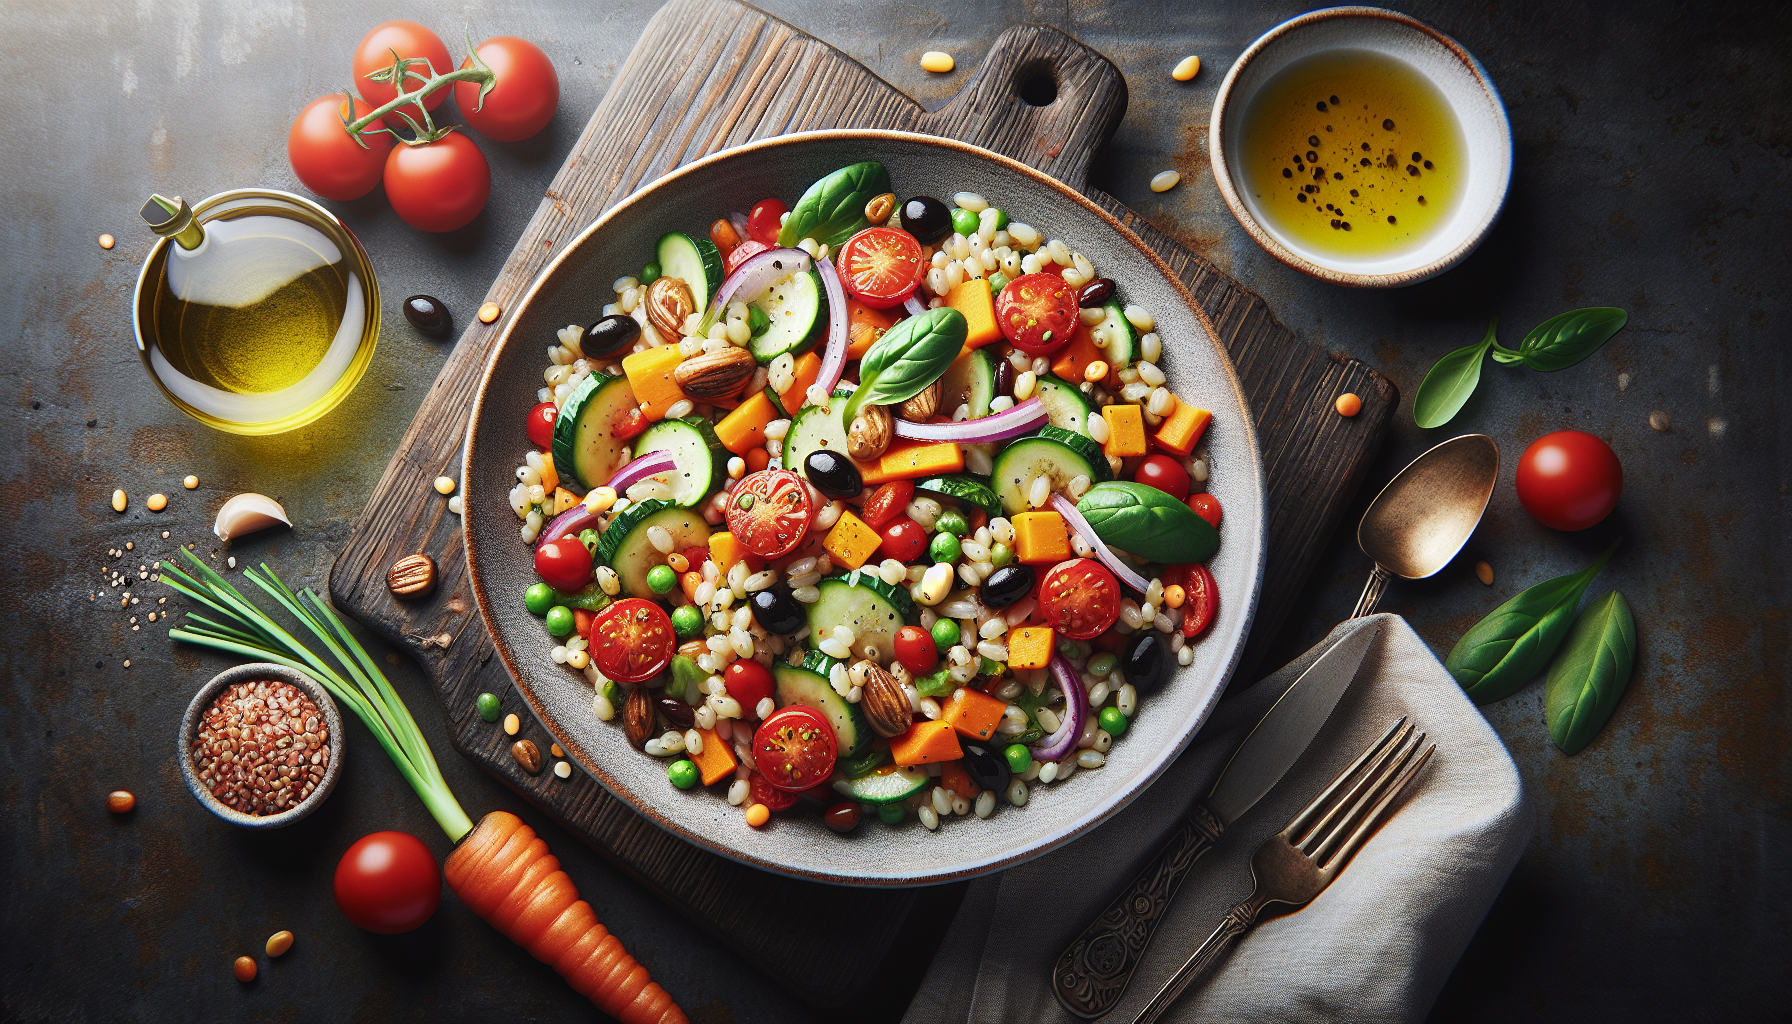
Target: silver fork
[(1296, 864)]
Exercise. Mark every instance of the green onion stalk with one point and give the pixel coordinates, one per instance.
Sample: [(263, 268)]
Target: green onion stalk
[(245, 629)]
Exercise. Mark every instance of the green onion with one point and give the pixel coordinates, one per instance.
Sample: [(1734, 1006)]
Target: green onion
[(249, 631)]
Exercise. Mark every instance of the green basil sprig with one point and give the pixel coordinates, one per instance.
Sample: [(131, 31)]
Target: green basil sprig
[(1555, 344), (1146, 521), (833, 210), (1586, 681), (1515, 641), (910, 356)]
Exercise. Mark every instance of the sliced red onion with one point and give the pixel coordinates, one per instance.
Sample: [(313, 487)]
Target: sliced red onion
[(752, 278), (1028, 415), (640, 469), (1076, 708), (833, 359), (914, 306), (568, 523), (1128, 576)]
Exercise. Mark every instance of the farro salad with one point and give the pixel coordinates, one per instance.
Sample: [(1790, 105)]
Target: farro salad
[(880, 507)]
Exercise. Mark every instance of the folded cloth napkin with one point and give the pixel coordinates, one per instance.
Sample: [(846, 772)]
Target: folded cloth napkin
[(1376, 945)]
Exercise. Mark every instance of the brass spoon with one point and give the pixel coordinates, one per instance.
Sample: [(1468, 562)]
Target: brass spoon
[(1424, 516)]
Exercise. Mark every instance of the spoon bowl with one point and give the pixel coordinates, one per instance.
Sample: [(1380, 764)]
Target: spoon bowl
[(1424, 516)]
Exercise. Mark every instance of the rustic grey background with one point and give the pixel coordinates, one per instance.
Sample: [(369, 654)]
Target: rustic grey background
[(1652, 173)]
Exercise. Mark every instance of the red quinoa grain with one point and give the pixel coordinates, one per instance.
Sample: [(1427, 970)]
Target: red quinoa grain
[(262, 747)]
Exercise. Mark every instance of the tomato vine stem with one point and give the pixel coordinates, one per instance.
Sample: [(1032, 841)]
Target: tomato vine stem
[(397, 74)]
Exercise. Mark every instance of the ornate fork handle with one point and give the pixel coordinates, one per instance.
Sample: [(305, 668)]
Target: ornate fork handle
[(1092, 973), (1237, 921)]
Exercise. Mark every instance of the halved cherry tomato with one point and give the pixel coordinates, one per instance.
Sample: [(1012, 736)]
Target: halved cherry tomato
[(628, 423), (541, 425), (1112, 642), (765, 220), (696, 556), (882, 266), (904, 539), (1165, 474), (1207, 507), (748, 682), (795, 748), (1037, 312), (886, 502), (564, 563), (774, 799), (632, 640), (916, 650), (741, 253), (1202, 602), (770, 512), (724, 236), (1080, 598)]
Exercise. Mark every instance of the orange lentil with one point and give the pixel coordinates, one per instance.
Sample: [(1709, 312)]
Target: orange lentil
[(758, 459), (1174, 595), (120, 801), (489, 312), (244, 968), (690, 581), (758, 815), (1349, 404)]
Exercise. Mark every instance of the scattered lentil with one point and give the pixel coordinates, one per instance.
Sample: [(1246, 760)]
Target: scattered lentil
[(121, 801), (489, 312), (190, 482), (107, 241), (1349, 404), (444, 485), (119, 501), (1484, 573), (262, 747), (279, 943), (1186, 69), (157, 502), (245, 969), (512, 724), (939, 62), (1658, 420)]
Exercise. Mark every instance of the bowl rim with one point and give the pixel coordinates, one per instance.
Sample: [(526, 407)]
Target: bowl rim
[(203, 699), (1075, 825), (1222, 110)]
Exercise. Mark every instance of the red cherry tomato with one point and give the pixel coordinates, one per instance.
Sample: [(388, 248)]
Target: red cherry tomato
[(795, 748), (1202, 602), (631, 640), (523, 101), (904, 540), (1163, 473), (440, 186), (769, 512), (766, 220), (741, 253), (375, 54), (916, 650), (564, 563), (748, 682), (881, 266), (1207, 507), (1111, 642), (326, 160), (541, 425), (388, 883), (887, 502), (1080, 598), (774, 799), (1569, 480), (1037, 312)]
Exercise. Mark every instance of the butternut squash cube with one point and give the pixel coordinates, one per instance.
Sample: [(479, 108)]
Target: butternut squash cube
[(806, 371), (1075, 357), (1031, 646), (926, 742), (725, 550), (906, 459), (743, 430), (650, 377), (1041, 537), (851, 543), (973, 714), (1126, 430), (972, 298), (717, 761), (563, 500), (1182, 429)]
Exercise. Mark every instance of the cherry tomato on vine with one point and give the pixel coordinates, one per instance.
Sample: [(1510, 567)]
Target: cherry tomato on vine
[(916, 650), (795, 748), (1163, 473), (1569, 480), (563, 563), (523, 101), (1037, 312), (733, 258), (1207, 507), (904, 539), (881, 266), (887, 502), (410, 40), (541, 425), (1080, 598), (632, 640), (388, 883), (326, 160), (439, 186), (769, 512), (748, 682), (765, 221)]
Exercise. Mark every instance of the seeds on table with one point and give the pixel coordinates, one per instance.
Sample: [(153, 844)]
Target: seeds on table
[(527, 754), (1186, 69), (489, 312), (1349, 404), (1164, 181), (119, 501), (121, 801), (279, 943), (937, 61), (107, 241), (444, 485), (1484, 573), (190, 482), (512, 724), (157, 502), (262, 747), (244, 969)]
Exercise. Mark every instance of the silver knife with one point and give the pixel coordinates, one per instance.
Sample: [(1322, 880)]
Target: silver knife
[(1092, 973)]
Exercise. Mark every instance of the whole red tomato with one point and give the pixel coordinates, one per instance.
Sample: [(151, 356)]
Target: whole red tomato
[(326, 160), (904, 539), (523, 101), (1037, 312), (388, 883), (564, 563), (541, 425), (410, 40), (1569, 480), (765, 221), (916, 650), (748, 682), (440, 186), (1163, 473), (1207, 507)]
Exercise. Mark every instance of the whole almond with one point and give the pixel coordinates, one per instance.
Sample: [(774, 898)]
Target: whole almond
[(921, 408), (879, 208), (719, 374), (637, 717), (669, 302), (884, 703), (869, 436), (412, 576), (527, 754)]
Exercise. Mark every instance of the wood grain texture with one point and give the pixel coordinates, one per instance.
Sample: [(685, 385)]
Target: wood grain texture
[(707, 75)]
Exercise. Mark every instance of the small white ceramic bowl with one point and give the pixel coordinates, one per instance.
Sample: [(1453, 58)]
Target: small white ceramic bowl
[(1466, 87)]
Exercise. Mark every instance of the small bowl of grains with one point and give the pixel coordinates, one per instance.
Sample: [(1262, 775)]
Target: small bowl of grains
[(261, 745)]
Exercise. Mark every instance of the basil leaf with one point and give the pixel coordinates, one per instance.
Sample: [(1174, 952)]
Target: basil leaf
[(1586, 681), (1561, 341), (1515, 641), (833, 210), (910, 356), (1146, 521), (1446, 388)]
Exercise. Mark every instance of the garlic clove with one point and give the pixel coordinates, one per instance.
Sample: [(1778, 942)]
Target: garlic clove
[(246, 513)]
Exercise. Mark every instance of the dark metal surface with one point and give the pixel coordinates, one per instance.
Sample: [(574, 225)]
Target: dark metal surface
[(1652, 173)]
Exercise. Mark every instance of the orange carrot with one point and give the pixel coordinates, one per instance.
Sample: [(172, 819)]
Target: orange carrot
[(504, 871)]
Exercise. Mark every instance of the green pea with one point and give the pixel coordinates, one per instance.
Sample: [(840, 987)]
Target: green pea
[(953, 522), (489, 706), (1000, 554), (1073, 650), (539, 598), (560, 621), (1113, 721), (997, 282), (945, 634), (687, 621), (964, 222), (682, 773), (891, 814), (650, 273), (1001, 219), (589, 538), (945, 548), (1019, 757), (614, 694), (757, 321), (1104, 663), (661, 579)]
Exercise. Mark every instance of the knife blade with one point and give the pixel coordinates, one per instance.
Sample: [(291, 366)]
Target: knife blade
[(1092, 973)]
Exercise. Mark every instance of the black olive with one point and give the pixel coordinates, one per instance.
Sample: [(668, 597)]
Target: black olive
[(676, 711), (1007, 585), (833, 474), (1004, 378), (429, 315), (1095, 293), (927, 219), (1146, 660), (776, 611), (610, 335), (986, 768)]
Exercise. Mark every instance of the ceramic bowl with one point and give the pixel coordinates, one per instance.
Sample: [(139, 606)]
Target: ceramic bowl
[(1467, 89), (242, 674), (573, 288)]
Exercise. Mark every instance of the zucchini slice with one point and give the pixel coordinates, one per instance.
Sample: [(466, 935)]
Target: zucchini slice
[(970, 380), (970, 488), (585, 452), (695, 261), (809, 685), (885, 787), (797, 311), (625, 548), (860, 601), (814, 428), (701, 461), (1064, 404), (1017, 465)]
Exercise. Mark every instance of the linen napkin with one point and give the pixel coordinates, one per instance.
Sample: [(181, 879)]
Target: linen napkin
[(1376, 945)]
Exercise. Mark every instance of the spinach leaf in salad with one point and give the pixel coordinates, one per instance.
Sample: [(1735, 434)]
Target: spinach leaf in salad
[(1146, 521), (1589, 676), (909, 357), (833, 210), (1515, 641)]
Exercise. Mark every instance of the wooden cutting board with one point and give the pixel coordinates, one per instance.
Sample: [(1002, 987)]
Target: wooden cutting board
[(706, 75)]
